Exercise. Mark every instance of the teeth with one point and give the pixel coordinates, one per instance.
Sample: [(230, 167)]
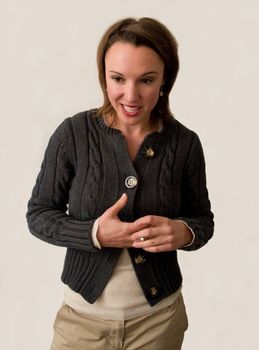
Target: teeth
[(131, 109)]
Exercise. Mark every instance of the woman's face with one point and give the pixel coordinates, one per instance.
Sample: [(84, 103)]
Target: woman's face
[(134, 76)]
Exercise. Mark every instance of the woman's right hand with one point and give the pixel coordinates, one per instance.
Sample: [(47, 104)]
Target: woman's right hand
[(112, 232)]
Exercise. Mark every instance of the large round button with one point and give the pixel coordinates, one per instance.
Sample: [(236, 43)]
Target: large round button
[(131, 182)]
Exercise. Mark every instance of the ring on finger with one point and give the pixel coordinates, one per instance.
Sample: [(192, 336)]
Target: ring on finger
[(142, 239)]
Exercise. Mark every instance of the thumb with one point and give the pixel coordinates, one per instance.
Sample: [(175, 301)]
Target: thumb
[(121, 202)]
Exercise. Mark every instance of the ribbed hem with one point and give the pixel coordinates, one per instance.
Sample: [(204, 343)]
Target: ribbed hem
[(81, 269)]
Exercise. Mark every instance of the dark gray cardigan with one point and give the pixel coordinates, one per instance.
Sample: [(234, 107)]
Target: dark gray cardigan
[(83, 173)]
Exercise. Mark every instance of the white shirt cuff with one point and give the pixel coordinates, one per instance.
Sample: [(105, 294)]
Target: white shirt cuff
[(193, 234), (94, 234)]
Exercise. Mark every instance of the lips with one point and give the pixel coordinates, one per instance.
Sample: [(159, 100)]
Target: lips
[(131, 110)]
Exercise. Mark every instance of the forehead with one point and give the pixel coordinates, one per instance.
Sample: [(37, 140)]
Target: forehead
[(123, 56)]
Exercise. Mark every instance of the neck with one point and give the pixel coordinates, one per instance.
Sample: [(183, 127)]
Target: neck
[(132, 130)]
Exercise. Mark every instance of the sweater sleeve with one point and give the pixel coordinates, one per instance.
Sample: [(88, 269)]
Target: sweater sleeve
[(47, 208), (196, 209)]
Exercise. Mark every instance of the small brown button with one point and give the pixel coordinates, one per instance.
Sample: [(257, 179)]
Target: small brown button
[(148, 152), (153, 292), (140, 260)]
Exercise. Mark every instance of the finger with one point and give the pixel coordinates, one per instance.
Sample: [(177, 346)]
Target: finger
[(151, 220), (136, 229), (149, 238), (160, 248), (130, 228), (144, 243), (145, 220), (121, 202), (146, 232)]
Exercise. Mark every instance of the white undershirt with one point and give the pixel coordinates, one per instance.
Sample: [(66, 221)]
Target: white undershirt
[(121, 299)]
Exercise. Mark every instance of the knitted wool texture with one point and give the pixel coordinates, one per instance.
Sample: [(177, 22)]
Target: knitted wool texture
[(83, 173)]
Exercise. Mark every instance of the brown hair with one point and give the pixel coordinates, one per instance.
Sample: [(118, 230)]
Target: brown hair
[(143, 32)]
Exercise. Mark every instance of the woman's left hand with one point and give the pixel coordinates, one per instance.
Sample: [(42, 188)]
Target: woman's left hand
[(161, 235)]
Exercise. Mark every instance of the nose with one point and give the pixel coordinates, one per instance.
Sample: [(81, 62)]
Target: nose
[(131, 92)]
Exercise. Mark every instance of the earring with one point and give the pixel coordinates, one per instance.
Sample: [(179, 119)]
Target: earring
[(161, 93)]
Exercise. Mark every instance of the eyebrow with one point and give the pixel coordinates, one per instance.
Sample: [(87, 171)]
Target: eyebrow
[(147, 73)]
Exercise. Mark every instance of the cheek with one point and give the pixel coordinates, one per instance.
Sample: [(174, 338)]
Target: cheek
[(153, 97), (113, 91)]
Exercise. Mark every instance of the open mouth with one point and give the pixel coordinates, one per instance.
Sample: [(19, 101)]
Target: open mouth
[(131, 110)]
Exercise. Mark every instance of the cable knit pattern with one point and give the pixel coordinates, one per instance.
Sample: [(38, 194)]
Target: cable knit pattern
[(165, 177), (94, 175), (83, 173)]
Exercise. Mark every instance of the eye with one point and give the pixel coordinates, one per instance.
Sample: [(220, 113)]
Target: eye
[(146, 81), (117, 78)]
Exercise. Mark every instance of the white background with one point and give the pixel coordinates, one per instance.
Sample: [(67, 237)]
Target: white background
[(48, 72)]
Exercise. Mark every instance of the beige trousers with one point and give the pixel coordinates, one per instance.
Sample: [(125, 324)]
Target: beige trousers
[(161, 330)]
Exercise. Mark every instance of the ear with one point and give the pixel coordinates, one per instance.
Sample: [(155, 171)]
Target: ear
[(162, 85), (163, 81)]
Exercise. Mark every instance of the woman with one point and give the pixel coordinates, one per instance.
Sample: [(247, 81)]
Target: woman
[(134, 180)]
